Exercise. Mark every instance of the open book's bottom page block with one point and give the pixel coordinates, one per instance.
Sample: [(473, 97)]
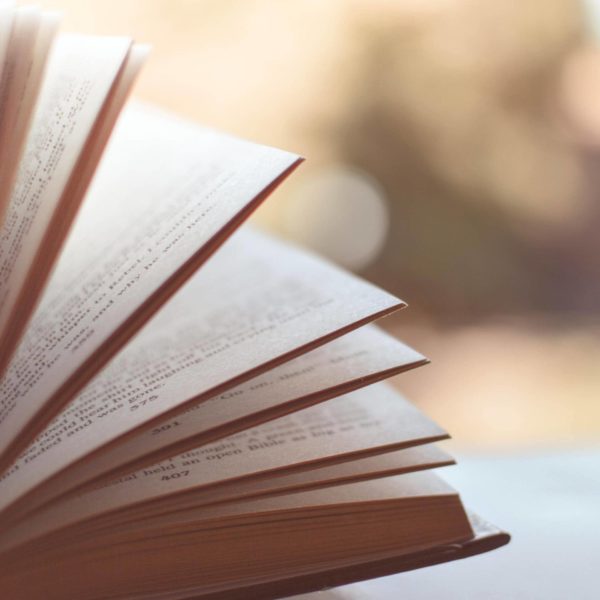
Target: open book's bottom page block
[(266, 547)]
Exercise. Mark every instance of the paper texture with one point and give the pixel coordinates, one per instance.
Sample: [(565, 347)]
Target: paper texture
[(354, 360), (256, 301), (80, 74), (165, 189)]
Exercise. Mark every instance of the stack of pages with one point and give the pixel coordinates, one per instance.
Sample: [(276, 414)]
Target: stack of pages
[(184, 410)]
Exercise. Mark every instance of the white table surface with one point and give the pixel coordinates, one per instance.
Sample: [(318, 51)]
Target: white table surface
[(549, 502)]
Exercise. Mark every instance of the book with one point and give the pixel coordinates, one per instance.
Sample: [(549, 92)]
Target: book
[(189, 407)]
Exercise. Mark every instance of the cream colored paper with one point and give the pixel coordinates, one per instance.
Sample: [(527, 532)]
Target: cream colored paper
[(258, 300), (164, 190), (372, 420), (356, 357), (26, 37), (358, 423), (81, 72), (73, 513)]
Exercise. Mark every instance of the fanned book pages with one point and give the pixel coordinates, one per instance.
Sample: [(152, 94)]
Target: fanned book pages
[(189, 407)]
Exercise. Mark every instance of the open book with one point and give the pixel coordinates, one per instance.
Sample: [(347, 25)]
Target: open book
[(186, 410)]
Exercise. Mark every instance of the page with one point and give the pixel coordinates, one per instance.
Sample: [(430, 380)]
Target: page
[(166, 196), (25, 55), (167, 492), (419, 485), (257, 303), (80, 75), (226, 546), (19, 56), (7, 18), (362, 422), (352, 361), (394, 462), (66, 209)]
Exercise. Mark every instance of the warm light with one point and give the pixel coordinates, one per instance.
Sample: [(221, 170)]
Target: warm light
[(341, 214)]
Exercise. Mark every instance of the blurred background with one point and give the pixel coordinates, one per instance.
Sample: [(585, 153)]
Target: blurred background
[(453, 157)]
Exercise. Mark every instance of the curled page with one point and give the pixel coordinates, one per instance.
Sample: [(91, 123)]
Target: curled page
[(26, 37), (258, 303), (80, 75), (227, 545), (355, 360), (192, 481), (167, 195)]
